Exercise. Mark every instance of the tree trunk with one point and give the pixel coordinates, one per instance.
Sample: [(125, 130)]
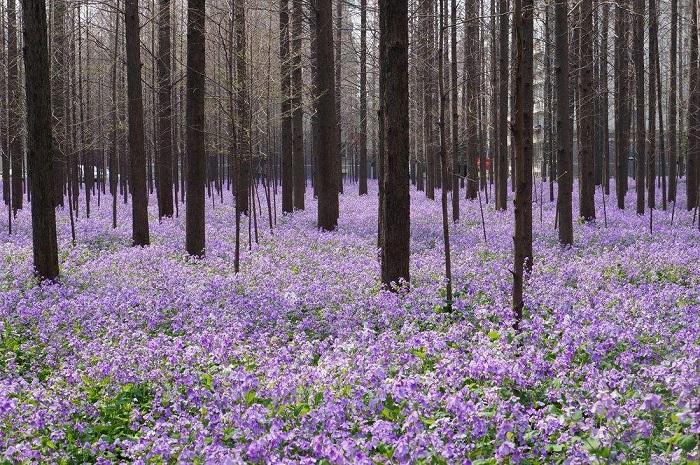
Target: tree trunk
[(16, 145), (455, 114), (472, 96), (587, 108), (622, 106), (651, 148), (338, 91), (363, 98), (165, 157), (194, 132), (565, 166), (327, 155), (503, 130), (286, 136), (522, 132), (243, 173), (137, 158), (39, 150), (638, 58), (297, 108), (393, 21), (428, 97), (672, 106), (693, 113)]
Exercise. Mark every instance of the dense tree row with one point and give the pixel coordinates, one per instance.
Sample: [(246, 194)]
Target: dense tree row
[(191, 101)]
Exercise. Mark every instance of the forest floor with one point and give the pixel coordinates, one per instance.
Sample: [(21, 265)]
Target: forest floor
[(142, 355)]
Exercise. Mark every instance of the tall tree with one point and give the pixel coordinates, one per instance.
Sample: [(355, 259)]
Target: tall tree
[(339, 90), (363, 98), (587, 108), (651, 136), (14, 130), (58, 99), (243, 173), (472, 96), (622, 105), (137, 157), (522, 137), (297, 108), (164, 161), (428, 96), (455, 114), (286, 139), (194, 132), (39, 150), (638, 59), (327, 153), (672, 105), (502, 160), (693, 162), (565, 165), (603, 82), (395, 247)]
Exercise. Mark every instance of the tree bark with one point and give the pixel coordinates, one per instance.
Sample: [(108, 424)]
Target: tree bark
[(587, 108), (565, 164), (165, 157), (363, 98), (194, 132), (286, 136), (502, 160), (522, 132), (137, 158), (39, 150), (638, 58), (327, 155), (297, 108), (395, 248), (672, 106), (16, 145)]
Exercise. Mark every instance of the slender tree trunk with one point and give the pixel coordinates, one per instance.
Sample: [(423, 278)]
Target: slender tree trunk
[(638, 58), (39, 150), (57, 100), (472, 97), (428, 97), (243, 179), (503, 53), (338, 90), (114, 153), (672, 106), (286, 140), (327, 155), (651, 148), (194, 132), (693, 113), (16, 145), (363, 98), (165, 138), (522, 132), (137, 157), (455, 114), (587, 108), (393, 21), (564, 156), (297, 108), (622, 106), (604, 97)]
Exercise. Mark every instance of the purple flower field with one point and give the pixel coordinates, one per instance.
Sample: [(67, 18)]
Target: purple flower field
[(144, 355)]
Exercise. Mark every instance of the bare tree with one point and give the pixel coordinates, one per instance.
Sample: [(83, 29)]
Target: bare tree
[(39, 150), (196, 158), (137, 158)]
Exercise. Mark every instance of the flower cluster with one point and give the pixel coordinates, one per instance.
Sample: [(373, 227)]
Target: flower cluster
[(145, 355)]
